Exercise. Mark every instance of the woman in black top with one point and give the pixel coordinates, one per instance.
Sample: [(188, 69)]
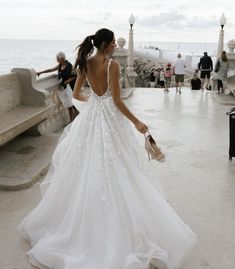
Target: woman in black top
[(196, 83), (66, 73), (68, 77)]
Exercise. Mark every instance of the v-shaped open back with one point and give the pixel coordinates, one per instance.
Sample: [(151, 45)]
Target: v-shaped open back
[(108, 82)]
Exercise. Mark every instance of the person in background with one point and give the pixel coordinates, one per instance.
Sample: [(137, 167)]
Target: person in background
[(179, 71), (157, 77), (68, 78), (167, 76), (162, 79), (195, 82), (205, 65), (152, 79), (221, 68)]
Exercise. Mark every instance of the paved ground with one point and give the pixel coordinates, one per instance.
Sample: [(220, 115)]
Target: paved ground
[(198, 179)]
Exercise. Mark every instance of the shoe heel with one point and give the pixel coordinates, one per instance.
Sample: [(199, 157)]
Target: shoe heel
[(149, 156)]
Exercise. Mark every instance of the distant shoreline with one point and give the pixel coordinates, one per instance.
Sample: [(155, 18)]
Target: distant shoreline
[(40, 54)]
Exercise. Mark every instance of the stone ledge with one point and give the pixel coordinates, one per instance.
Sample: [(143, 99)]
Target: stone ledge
[(15, 184), (24, 160), (17, 120)]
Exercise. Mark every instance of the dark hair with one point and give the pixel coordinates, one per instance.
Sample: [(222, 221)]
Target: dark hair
[(224, 56), (101, 39)]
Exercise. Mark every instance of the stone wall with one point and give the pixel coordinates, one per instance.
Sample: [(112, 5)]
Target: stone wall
[(9, 92), (143, 67)]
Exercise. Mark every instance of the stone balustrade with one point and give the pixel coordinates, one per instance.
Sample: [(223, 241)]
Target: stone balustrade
[(27, 104), (32, 105)]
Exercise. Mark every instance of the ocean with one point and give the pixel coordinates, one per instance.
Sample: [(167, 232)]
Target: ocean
[(36, 54), (40, 54)]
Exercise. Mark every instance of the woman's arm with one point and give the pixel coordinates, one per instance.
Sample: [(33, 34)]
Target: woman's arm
[(115, 88), (77, 88), (69, 80), (48, 70)]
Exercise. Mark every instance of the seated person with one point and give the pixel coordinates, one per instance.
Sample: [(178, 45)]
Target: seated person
[(196, 83)]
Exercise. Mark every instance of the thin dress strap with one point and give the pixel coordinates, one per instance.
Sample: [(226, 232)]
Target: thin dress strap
[(108, 78)]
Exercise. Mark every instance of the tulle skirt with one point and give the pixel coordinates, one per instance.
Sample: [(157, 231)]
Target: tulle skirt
[(100, 208)]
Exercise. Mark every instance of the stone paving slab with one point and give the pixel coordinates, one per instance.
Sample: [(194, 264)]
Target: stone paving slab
[(198, 178)]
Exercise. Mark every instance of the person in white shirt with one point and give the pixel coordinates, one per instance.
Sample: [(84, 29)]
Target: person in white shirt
[(179, 71)]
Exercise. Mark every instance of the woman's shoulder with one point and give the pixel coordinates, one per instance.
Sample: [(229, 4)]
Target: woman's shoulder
[(113, 62), (114, 65)]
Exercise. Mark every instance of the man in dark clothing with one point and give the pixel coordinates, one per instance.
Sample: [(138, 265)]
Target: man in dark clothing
[(205, 66)]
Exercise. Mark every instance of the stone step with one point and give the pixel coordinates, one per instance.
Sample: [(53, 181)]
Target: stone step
[(24, 160)]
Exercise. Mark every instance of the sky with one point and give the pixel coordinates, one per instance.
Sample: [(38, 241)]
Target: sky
[(155, 21)]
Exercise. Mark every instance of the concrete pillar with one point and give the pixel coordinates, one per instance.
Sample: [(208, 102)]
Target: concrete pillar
[(220, 43), (220, 48), (130, 61), (121, 55), (231, 55)]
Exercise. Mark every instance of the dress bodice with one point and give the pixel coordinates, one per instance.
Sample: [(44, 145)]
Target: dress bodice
[(107, 92)]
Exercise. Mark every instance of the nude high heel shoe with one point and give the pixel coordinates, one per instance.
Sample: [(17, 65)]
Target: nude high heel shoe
[(154, 152)]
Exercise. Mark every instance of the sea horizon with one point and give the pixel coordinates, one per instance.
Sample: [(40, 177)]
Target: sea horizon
[(41, 53)]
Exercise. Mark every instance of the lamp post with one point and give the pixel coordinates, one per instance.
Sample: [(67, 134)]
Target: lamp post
[(130, 60), (221, 35)]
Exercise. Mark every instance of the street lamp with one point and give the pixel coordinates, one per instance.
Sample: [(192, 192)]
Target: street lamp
[(220, 48), (130, 60), (222, 21), (131, 20)]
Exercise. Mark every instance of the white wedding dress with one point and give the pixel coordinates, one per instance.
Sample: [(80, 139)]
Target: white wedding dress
[(101, 210)]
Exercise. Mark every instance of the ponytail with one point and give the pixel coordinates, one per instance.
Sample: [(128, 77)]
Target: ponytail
[(85, 49), (100, 40)]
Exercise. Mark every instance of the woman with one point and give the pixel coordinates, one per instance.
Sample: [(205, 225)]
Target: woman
[(196, 83), (167, 76), (100, 209), (68, 78), (221, 69)]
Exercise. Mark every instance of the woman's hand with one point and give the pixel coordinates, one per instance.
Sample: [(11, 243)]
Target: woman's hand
[(141, 127)]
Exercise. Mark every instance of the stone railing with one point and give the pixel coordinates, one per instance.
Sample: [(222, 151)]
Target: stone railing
[(127, 77), (27, 104)]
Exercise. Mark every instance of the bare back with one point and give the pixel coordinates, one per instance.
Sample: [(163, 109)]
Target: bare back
[(97, 73)]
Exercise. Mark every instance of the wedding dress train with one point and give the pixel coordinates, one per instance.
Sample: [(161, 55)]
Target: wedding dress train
[(100, 210)]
